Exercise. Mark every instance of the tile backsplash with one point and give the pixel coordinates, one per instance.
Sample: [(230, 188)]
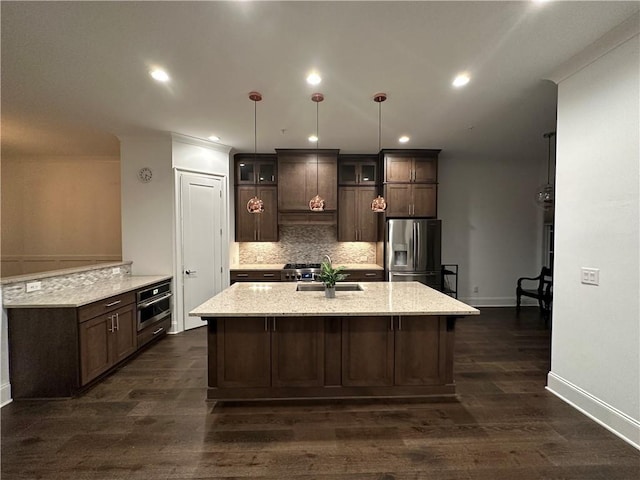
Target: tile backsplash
[(307, 243)]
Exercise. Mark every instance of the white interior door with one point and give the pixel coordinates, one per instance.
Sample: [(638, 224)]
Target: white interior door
[(202, 212)]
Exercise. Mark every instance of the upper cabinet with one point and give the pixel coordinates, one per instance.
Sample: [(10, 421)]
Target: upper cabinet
[(411, 166), (411, 183), (256, 175), (256, 169), (303, 174), (358, 169)]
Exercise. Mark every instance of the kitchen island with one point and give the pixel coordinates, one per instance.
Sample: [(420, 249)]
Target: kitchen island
[(269, 340)]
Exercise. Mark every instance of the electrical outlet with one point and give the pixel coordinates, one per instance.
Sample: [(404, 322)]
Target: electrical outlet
[(115, 270), (258, 258), (476, 289), (590, 276), (33, 286)]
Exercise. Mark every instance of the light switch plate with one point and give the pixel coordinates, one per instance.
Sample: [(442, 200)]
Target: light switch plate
[(590, 276)]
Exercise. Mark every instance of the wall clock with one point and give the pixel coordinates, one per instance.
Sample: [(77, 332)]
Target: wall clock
[(145, 174)]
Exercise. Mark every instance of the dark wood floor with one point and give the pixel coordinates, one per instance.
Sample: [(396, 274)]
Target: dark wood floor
[(150, 420)]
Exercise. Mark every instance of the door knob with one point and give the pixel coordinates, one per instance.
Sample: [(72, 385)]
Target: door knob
[(189, 272)]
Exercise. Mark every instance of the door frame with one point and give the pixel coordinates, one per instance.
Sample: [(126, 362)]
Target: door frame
[(178, 320)]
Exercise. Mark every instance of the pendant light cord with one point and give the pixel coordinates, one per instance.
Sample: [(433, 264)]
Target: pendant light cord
[(317, 146), (255, 142)]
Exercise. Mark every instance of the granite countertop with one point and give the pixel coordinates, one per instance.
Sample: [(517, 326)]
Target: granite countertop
[(280, 266), (77, 296), (280, 299)]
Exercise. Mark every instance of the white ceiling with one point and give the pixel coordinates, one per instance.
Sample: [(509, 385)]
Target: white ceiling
[(76, 73)]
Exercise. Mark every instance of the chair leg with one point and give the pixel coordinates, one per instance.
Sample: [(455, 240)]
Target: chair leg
[(517, 302), (541, 306)]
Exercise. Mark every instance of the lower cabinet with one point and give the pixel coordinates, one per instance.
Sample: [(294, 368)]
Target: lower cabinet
[(305, 357), (407, 351), (105, 341), (269, 351)]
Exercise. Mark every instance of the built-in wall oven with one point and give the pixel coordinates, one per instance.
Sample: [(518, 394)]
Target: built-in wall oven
[(154, 304)]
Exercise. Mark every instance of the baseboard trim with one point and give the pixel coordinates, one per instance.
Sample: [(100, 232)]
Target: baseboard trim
[(617, 422), (5, 394)]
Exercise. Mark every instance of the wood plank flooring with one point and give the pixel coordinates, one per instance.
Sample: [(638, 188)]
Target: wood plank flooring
[(150, 420)]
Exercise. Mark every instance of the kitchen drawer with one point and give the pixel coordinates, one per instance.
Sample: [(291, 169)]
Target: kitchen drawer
[(105, 306), (365, 275), (255, 275), (154, 331)]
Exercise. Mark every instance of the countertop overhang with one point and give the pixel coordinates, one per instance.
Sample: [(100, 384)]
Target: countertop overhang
[(280, 299)]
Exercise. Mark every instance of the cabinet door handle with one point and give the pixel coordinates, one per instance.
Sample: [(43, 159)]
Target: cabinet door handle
[(161, 329), (274, 324), (112, 326), (117, 321), (112, 303), (399, 323), (391, 323), (266, 324)]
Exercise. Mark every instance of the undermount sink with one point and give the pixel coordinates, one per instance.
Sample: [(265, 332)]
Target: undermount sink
[(318, 287)]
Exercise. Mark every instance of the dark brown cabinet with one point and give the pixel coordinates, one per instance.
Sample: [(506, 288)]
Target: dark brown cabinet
[(267, 351), (243, 352), (356, 221), (411, 183), (334, 357), (409, 351), (57, 352), (411, 200), (106, 340), (403, 166), (303, 174), (365, 275), (297, 352), (257, 227), (255, 275), (253, 169), (358, 169), (367, 352)]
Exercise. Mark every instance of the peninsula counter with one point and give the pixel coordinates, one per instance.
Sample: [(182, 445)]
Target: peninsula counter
[(267, 341)]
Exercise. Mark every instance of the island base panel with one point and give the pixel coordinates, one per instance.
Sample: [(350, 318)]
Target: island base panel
[(309, 393)]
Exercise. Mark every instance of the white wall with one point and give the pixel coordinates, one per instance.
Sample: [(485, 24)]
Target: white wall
[(147, 208), (491, 225), (595, 363)]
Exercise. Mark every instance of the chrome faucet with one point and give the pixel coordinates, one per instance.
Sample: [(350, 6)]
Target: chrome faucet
[(328, 258)]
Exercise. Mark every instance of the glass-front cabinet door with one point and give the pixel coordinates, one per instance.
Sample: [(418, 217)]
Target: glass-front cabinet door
[(357, 169), (256, 169)]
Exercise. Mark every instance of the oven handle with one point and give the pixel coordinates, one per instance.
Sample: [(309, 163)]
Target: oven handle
[(148, 304)]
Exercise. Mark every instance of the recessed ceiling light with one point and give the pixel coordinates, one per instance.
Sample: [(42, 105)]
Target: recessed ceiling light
[(403, 139), (214, 138), (314, 78), (159, 75), (313, 138), (461, 80)]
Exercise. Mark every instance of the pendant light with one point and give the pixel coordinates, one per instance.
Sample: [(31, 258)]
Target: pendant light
[(255, 205), (545, 196), (379, 204), (316, 204)]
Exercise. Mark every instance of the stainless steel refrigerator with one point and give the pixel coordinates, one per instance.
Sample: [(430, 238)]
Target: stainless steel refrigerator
[(412, 251)]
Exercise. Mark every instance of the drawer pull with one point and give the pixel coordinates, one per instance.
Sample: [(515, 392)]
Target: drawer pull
[(242, 275), (112, 304), (267, 274), (370, 274), (161, 329)]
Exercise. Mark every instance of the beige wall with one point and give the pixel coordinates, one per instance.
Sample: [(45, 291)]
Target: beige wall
[(59, 212)]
